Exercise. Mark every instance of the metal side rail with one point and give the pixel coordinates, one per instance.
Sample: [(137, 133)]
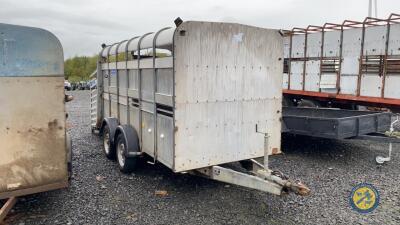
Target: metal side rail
[(378, 137), (93, 100)]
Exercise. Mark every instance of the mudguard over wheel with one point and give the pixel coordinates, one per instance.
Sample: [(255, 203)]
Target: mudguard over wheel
[(127, 148)]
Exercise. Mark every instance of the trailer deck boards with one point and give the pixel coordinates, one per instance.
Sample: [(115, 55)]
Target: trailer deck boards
[(334, 123)]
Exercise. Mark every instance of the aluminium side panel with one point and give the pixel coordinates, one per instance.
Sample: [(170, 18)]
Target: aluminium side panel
[(332, 43), (228, 79), (285, 82), (350, 61), (392, 86), (286, 47), (392, 80), (312, 75), (298, 43), (394, 40), (375, 40), (314, 42), (296, 75)]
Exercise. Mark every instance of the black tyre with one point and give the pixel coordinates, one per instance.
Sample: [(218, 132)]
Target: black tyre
[(108, 146), (68, 142), (125, 164)]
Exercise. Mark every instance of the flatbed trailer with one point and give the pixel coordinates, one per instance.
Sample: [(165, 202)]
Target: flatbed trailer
[(341, 124), (334, 123)]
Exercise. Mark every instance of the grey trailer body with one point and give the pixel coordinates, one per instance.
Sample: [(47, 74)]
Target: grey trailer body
[(193, 96), (33, 150)]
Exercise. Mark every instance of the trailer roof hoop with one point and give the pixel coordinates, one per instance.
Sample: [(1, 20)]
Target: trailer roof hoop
[(119, 45), (347, 24), (298, 30), (109, 49), (313, 28), (331, 26)]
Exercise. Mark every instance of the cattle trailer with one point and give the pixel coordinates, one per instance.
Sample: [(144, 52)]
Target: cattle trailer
[(194, 97)]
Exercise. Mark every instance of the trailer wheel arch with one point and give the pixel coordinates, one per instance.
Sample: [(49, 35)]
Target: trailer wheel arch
[(132, 138)]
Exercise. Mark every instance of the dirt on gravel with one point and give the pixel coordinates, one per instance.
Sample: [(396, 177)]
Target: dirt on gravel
[(100, 194)]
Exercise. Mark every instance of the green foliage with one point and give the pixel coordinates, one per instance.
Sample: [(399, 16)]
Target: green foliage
[(79, 68)]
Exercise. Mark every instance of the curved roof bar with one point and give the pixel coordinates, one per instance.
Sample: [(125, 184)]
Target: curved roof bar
[(109, 49), (140, 41), (165, 38), (127, 46), (155, 39), (147, 41), (119, 44), (113, 48)]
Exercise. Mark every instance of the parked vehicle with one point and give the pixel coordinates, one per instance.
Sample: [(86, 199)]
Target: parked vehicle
[(335, 67), (83, 85), (92, 84), (74, 86), (67, 85), (198, 105), (35, 148)]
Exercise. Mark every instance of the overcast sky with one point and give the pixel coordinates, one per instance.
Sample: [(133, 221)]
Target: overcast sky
[(82, 25)]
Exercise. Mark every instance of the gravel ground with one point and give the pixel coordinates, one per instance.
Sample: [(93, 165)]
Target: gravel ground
[(100, 194)]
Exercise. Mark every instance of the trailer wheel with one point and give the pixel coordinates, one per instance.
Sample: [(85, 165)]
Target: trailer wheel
[(108, 147), (125, 164)]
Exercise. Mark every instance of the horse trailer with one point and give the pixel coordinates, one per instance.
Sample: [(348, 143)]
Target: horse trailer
[(35, 148)]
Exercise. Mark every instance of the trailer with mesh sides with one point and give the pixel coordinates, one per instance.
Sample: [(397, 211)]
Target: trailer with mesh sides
[(344, 65), (193, 98)]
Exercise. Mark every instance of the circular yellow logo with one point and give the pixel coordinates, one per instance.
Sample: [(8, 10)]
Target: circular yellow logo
[(364, 198)]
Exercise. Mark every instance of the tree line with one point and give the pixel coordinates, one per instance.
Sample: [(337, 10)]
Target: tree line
[(79, 68)]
